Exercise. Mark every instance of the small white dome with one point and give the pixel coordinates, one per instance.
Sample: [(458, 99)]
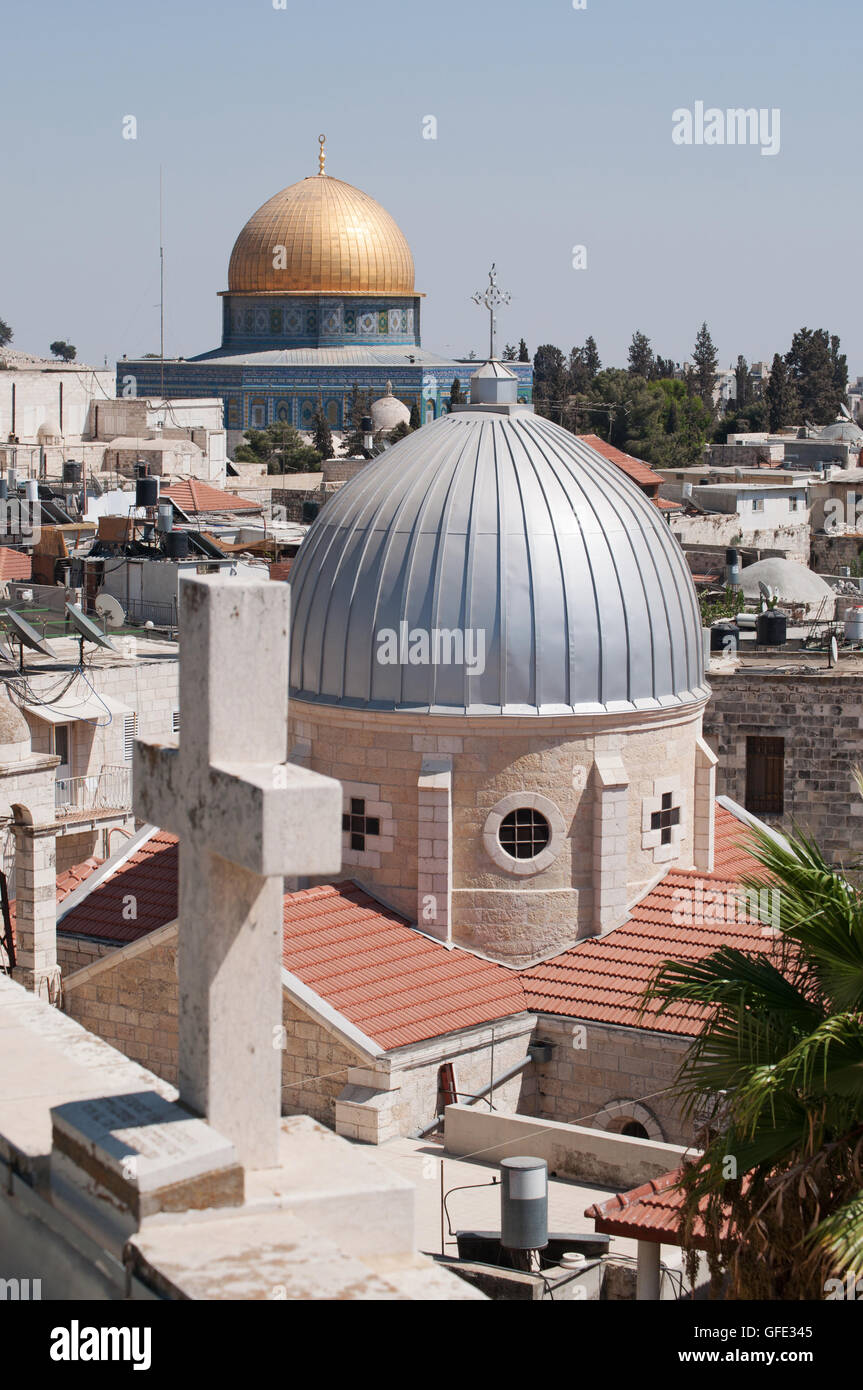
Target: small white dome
[(389, 411), (49, 432)]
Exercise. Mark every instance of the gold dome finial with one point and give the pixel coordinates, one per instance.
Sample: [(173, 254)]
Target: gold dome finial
[(322, 157)]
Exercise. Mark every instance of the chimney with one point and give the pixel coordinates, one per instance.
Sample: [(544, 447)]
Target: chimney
[(36, 910)]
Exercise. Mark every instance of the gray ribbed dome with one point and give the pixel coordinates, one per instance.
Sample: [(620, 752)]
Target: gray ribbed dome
[(496, 521)]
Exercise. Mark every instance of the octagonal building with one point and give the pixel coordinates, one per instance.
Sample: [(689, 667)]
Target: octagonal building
[(321, 299)]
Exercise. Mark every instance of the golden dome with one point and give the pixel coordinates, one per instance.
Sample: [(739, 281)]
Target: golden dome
[(336, 239)]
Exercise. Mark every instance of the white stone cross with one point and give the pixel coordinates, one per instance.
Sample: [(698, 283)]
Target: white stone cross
[(245, 819)]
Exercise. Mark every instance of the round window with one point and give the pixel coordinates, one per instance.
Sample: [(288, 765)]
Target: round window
[(524, 833)]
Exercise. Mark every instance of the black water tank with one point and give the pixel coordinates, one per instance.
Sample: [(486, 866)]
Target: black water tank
[(771, 629), (310, 511), (142, 469), (71, 472), (146, 492), (4, 489), (176, 544)]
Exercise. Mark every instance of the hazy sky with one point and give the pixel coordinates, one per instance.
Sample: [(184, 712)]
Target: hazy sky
[(554, 129)]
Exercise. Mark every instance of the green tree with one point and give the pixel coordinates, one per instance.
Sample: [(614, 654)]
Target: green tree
[(840, 368), (590, 353), (640, 356), (663, 368), (523, 354), (742, 384), (60, 348), (456, 395), (579, 377), (753, 419), (6, 334), (399, 431), (704, 361), (780, 396), (819, 374), (281, 448), (510, 353), (779, 1060), (415, 416), (322, 438), (550, 381)]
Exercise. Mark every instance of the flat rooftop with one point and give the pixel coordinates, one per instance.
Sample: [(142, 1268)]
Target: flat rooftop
[(68, 653), (477, 1208)]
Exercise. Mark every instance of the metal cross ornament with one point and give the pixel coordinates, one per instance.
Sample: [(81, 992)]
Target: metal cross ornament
[(492, 296)]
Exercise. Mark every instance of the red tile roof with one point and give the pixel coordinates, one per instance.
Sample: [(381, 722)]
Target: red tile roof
[(150, 875), (399, 986), (194, 496), (603, 978), (395, 984), (638, 471), (650, 1212), (14, 564)]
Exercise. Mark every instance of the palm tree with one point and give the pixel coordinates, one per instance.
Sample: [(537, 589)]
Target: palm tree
[(778, 1190)]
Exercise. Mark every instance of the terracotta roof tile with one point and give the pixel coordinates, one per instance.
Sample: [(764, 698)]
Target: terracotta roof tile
[(150, 875), (393, 983), (194, 496), (686, 916), (638, 471), (650, 1212), (400, 987)]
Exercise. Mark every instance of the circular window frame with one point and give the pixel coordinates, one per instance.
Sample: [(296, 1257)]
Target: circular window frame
[(518, 801)]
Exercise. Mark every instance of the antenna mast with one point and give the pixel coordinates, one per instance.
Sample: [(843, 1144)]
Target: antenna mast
[(161, 286)]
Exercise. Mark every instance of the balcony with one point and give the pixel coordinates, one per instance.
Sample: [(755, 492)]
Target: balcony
[(107, 794)]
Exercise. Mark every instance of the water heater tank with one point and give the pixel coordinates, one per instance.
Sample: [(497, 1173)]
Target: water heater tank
[(146, 492), (524, 1203)]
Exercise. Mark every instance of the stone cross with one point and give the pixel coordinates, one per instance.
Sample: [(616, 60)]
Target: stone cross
[(245, 818)]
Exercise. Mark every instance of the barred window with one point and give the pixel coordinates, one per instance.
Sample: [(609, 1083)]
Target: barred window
[(524, 833)]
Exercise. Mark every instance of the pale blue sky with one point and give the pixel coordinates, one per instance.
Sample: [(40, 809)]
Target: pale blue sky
[(554, 129)]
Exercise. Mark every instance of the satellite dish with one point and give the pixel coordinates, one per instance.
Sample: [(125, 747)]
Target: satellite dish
[(87, 629), (19, 628), (108, 608)]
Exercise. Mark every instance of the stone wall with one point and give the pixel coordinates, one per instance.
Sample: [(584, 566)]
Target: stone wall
[(76, 952), (132, 1004), (291, 501), (820, 716), (514, 914), (400, 1093), (571, 1151), (315, 1066), (603, 1076), (830, 553), (721, 530)]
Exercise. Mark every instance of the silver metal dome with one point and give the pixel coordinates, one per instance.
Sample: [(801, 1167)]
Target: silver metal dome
[(498, 525)]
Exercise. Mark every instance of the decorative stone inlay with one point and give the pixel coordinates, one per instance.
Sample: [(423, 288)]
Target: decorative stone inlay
[(662, 817), (514, 802), (373, 825)]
